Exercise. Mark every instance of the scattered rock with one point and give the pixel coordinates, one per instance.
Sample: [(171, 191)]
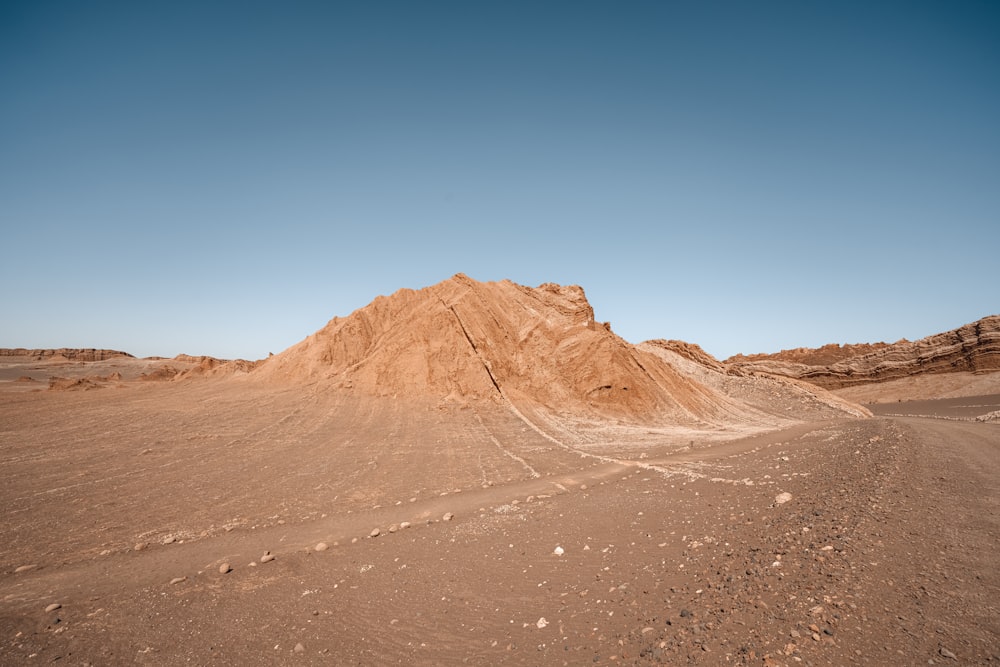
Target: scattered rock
[(299, 648), (225, 568), (945, 653), (393, 528), (140, 546), (782, 498), (169, 540), (541, 623), (448, 516), (375, 532), (404, 525), (177, 580), (559, 551), (322, 546), (52, 607), (25, 568), (267, 557)]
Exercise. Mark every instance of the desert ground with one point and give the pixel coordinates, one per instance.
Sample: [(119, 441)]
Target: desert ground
[(219, 521)]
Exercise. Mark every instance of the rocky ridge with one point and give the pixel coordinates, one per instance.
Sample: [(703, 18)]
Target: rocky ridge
[(64, 353), (538, 349), (974, 347)]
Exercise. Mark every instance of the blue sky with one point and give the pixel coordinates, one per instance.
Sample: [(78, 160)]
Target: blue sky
[(223, 178)]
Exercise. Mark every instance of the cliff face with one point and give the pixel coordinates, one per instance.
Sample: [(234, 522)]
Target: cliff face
[(974, 347), (64, 353)]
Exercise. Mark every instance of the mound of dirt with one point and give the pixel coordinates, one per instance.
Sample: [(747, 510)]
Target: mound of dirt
[(74, 384), (974, 348)]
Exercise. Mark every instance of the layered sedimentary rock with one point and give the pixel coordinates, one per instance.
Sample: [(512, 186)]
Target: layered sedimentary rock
[(974, 347), (64, 353), (533, 348)]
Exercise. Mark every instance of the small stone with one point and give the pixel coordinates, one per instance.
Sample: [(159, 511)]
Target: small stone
[(945, 653), (404, 525), (559, 551), (375, 532), (299, 648), (225, 568), (267, 557), (541, 623), (393, 528), (322, 546), (448, 516), (140, 546), (685, 613), (782, 498), (52, 607), (169, 540), (25, 568), (177, 580)]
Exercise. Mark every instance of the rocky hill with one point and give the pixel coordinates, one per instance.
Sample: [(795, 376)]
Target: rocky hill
[(533, 348), (973, 348)]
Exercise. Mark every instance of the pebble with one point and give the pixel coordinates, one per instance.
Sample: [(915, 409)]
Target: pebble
[(225, 568), (375, 532), (541, 623), (177, 580), (322, 546), (52, 607), (782, 498), (404, 525), (267, 557), (25, 568), (945, 653), (140, 546), (299, 648), (169, 540), (448, 516), (393, 528), (559, 551)]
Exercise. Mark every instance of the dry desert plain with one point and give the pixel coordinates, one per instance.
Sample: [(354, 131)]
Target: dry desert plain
[(167, 512)]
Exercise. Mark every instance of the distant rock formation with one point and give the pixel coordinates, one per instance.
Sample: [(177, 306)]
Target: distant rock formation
[(974, 347), (462, 340), (64, 354)]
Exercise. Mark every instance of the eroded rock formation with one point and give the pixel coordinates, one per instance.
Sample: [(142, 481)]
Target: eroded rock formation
[(64, 353), (974, 347)]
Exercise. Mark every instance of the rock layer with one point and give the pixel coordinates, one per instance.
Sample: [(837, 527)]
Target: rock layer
[(64, 353), (974, 347)]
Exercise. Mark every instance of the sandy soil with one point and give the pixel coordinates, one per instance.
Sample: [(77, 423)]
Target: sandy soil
[(848, 541)]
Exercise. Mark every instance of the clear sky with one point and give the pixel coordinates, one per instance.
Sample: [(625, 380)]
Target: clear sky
[(224, 177)]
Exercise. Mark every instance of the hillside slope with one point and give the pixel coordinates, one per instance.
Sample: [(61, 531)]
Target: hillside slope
[(538, 350)]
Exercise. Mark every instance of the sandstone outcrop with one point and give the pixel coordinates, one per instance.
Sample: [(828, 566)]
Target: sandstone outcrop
[(64, 353), (974, 348), (533, 348)]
